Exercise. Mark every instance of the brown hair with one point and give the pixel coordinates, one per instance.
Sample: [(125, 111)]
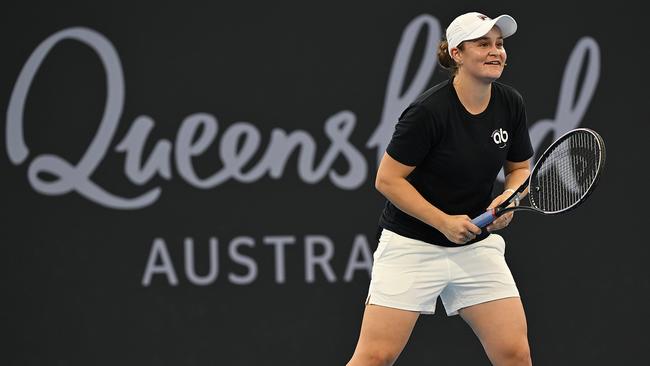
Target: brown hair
[(444, 58)]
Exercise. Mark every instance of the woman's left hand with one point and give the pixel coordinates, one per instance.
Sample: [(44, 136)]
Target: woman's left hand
[(503, 220)]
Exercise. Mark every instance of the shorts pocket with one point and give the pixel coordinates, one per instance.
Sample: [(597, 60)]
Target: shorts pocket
[(500, 244), (391, 281), (492, 242)]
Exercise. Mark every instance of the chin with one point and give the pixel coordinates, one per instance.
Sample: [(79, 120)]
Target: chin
[(489, 79), (493, 76)]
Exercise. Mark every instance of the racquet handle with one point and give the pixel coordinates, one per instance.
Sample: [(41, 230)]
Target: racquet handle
[(485, 219)]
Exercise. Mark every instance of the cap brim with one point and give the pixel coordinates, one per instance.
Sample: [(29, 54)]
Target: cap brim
[(506, 24)]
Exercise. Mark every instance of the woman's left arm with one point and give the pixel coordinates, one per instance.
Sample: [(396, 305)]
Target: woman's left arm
[(516, 173)]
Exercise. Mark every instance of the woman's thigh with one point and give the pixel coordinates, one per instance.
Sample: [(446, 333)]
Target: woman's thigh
[(384, 333), (500, 326)]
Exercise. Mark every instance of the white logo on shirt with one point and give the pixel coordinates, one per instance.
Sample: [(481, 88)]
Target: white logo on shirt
[(500, 137)]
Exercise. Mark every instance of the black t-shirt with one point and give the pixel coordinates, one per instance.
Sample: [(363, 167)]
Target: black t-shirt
[(456, 155)]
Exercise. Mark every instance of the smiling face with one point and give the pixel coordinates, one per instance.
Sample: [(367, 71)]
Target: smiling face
[(482, 58)]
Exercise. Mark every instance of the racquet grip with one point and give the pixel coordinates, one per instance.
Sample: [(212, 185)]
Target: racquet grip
[(485, 219)]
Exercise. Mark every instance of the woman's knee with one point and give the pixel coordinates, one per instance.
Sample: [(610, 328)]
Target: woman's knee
[(514, 354), (375, 357)]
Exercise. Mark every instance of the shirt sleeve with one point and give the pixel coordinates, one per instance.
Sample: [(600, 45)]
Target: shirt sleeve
[(521, 148), (413, 136)]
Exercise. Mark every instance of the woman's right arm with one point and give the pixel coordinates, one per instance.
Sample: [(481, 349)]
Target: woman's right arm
[(391, 182)]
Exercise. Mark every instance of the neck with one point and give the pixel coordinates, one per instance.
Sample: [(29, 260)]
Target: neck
[(474, 94)]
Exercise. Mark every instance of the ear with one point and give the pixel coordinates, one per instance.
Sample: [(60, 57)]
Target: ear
[(457, 56)]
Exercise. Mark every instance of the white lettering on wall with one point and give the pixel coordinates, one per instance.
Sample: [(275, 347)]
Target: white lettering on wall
[(360, 258), (321, 260), (199, 131), (279, 242), (570, 111), (319, 252), (395, 101), (159, 253), (246, 261), (190, 263)]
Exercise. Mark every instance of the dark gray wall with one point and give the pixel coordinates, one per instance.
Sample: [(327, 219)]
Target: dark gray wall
[(105, 262)]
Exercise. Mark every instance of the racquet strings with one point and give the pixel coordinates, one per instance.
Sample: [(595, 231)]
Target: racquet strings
[(567, 172)]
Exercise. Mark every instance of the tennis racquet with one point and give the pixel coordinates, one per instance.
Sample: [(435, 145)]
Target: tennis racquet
[(563, 177)]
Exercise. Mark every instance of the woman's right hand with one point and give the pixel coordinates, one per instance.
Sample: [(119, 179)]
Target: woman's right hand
[(459, 229)]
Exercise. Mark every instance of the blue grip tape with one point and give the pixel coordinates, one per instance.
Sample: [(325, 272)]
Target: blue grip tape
[(485, 219)]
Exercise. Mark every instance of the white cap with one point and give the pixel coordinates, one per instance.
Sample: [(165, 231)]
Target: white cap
[(475, 25)]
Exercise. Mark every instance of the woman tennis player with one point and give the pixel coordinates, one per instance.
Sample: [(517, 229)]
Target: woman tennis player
[(438, 171)]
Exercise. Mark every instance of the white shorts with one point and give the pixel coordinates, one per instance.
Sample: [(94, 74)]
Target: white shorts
[(409, 274)]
